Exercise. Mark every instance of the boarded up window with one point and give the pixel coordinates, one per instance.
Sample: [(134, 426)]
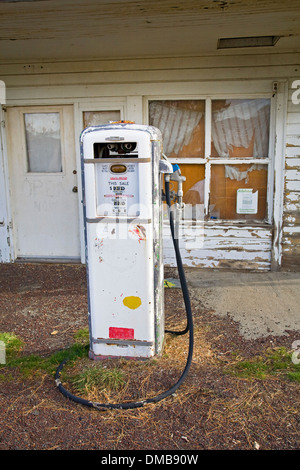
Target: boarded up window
[(226, 183), (43, 142), (193, 187)]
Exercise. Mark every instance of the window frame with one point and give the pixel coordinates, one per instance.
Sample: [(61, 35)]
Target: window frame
[(97, 105), (208, 161)]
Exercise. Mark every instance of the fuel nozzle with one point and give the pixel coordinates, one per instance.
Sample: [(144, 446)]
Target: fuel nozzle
[(176, 176)]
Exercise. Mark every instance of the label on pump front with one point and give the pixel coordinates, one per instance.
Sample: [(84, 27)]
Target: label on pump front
[(117, 192)]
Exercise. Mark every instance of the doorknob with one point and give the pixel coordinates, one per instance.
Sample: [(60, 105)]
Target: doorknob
[(75, 189)]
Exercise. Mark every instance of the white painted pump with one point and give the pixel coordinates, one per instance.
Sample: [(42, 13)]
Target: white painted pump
[(122, 165), (122, 200)]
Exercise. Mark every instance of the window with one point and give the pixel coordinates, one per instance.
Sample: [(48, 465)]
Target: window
[(96, 118), (222, 147), (43, 142), (240, 128), (228, 200), (182, 126)]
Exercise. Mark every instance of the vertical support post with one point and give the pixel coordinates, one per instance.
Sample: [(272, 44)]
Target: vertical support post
[(207, 155), (279, 164), (6, 249)]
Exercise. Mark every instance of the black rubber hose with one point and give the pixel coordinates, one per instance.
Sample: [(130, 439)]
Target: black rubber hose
[(180, 268), (189, 328)]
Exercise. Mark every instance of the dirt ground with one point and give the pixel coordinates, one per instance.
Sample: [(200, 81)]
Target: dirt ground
[(45, 305)]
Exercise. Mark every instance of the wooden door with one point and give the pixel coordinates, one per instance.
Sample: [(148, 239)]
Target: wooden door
[(43, 177)]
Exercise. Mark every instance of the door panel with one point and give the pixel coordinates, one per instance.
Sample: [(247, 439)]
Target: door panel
[(43, 181)]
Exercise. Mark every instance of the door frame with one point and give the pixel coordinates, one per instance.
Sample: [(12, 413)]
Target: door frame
[(104, 104), (49, 107), (126, 105), (6, 233)]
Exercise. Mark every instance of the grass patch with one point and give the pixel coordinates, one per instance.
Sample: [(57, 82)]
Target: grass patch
[(98, 378), (32, 365), (13, 344), (276, 362), (294, 376), (82, 336), (250, 369), (97, 381)]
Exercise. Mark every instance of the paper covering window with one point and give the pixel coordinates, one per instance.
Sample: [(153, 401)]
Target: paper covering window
[(227, 183)]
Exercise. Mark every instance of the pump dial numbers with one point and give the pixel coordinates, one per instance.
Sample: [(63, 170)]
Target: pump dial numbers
[(119, 206), (117, 188)]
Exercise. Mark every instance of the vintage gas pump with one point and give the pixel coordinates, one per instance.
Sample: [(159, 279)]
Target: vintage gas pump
[(122, 166)]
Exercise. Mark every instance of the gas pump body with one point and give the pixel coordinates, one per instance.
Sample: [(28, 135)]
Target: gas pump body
[(121, 165)]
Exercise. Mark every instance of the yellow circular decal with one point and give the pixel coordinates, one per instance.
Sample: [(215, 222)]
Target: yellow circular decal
[(132, 302)]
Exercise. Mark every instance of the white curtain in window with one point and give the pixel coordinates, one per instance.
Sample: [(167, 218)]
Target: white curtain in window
[(235, 126), (176, 125)]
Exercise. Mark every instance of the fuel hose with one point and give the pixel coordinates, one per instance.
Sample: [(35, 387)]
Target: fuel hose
[(189, 328)]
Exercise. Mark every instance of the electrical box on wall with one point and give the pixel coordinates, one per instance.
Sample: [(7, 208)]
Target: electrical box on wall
[(121, 165)]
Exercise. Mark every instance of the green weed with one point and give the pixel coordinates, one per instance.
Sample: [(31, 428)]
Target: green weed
[(82, 336), (294, 376), (276, 362), (248, 369), (13, 344), (98, 378)]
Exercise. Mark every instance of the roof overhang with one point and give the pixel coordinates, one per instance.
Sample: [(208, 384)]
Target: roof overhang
[(79, 29)]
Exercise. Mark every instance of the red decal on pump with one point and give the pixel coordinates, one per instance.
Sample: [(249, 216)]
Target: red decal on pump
[(121, 333)]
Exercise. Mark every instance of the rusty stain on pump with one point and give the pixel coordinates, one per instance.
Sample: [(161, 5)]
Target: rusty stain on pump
[(139, 231), (132, 302)]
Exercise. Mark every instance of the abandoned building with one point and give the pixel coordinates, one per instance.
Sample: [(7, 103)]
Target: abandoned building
[(220, 79)]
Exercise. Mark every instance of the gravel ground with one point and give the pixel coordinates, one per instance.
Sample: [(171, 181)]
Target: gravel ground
[(45, 305)]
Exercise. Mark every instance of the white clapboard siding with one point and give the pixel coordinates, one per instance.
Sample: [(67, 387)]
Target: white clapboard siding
[(76, 80)]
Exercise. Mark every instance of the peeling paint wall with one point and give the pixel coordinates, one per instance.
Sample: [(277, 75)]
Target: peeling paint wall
[(291, 211), (227, 247)]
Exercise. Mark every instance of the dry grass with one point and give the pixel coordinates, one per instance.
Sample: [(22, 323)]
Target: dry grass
[(212, 409), (147, 378)]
